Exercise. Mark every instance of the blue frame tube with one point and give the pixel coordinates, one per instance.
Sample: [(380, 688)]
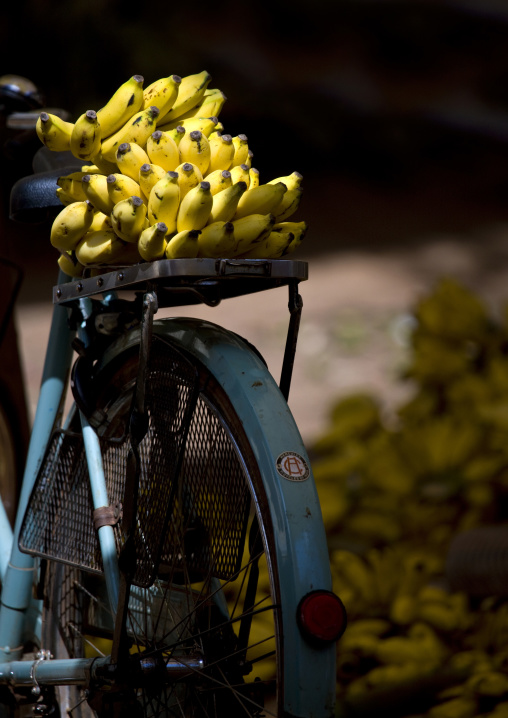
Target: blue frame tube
[(97, 479), (100, 499), (68, 671), (19, 574)]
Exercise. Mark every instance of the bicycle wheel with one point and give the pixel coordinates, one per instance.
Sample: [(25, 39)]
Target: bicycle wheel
[(232, 585), (208, 625)]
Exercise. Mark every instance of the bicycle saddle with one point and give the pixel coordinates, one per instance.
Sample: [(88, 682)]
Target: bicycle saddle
[(33, 199)]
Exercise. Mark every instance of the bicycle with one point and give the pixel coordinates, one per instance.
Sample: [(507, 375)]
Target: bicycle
[(168, 553)]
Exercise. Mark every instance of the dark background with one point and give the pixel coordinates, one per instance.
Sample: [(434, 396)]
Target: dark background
[(396, 113)]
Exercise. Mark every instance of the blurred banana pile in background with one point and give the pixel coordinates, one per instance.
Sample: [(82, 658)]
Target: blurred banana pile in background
[(423, 638)]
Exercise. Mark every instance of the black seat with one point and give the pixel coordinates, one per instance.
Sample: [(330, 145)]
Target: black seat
[(33, 198)]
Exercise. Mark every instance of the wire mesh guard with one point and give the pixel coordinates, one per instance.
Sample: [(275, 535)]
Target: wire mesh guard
[(193, 499)]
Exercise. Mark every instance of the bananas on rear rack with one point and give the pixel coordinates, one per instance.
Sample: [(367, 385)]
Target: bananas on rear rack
[(163, 179)]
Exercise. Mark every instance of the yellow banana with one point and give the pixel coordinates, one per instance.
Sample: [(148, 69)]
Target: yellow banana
[(195, 208), (272, 247), (129, 158), (288, 204), (222, 151), (177, 134), (164, 202), (252, 229), (86, 136), (219, 180), (206, 125), (293, 245), (138, 129), (225, 203), (102, 165), (162, 150), (364, 644), (91, 170), (100, 221), (64, 197), (192, 89), (102, 247), (399, 650), (122, 105), (183, 245), (248, 161), (162, 94), (189, 176), (71, 184), (403, 609), (152, 242), (291, 181), (95, 188), (241, 145), (195, 148), (217, 130), (54, 132), (210, 105), (69, 264), (149, 174), (240, 173), (355, 572), (128, 218), (71, 224), (299, 229), (260, 200), (217, 240), (254, 177), (443, 618), (491, 683), (120, 186)]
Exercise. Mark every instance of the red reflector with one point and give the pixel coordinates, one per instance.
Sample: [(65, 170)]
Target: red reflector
[(322, 616)]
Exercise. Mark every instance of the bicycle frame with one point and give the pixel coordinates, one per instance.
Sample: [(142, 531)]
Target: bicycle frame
[(301, 543)]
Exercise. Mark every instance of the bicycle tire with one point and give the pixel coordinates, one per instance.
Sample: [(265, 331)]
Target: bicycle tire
[(239, 673)]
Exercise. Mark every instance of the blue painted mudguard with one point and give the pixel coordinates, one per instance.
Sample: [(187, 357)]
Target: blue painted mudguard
[(302, 555)]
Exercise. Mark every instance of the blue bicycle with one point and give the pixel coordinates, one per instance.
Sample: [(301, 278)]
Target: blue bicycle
[(168, 556)]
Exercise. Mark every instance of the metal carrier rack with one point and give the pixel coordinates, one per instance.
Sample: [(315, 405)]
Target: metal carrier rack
[(188, 281), (180, 282)]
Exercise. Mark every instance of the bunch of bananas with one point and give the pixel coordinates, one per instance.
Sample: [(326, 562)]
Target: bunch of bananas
[(164, 180), (395, 494)]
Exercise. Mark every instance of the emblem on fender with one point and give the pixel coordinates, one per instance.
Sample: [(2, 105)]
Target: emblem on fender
[(292, 466)]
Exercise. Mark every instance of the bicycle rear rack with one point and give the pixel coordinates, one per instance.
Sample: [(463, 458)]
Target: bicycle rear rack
[(188, 281), (180, 282)]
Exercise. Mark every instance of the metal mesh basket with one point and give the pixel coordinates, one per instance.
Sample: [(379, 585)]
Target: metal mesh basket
[(209, 517), (193, 499)]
